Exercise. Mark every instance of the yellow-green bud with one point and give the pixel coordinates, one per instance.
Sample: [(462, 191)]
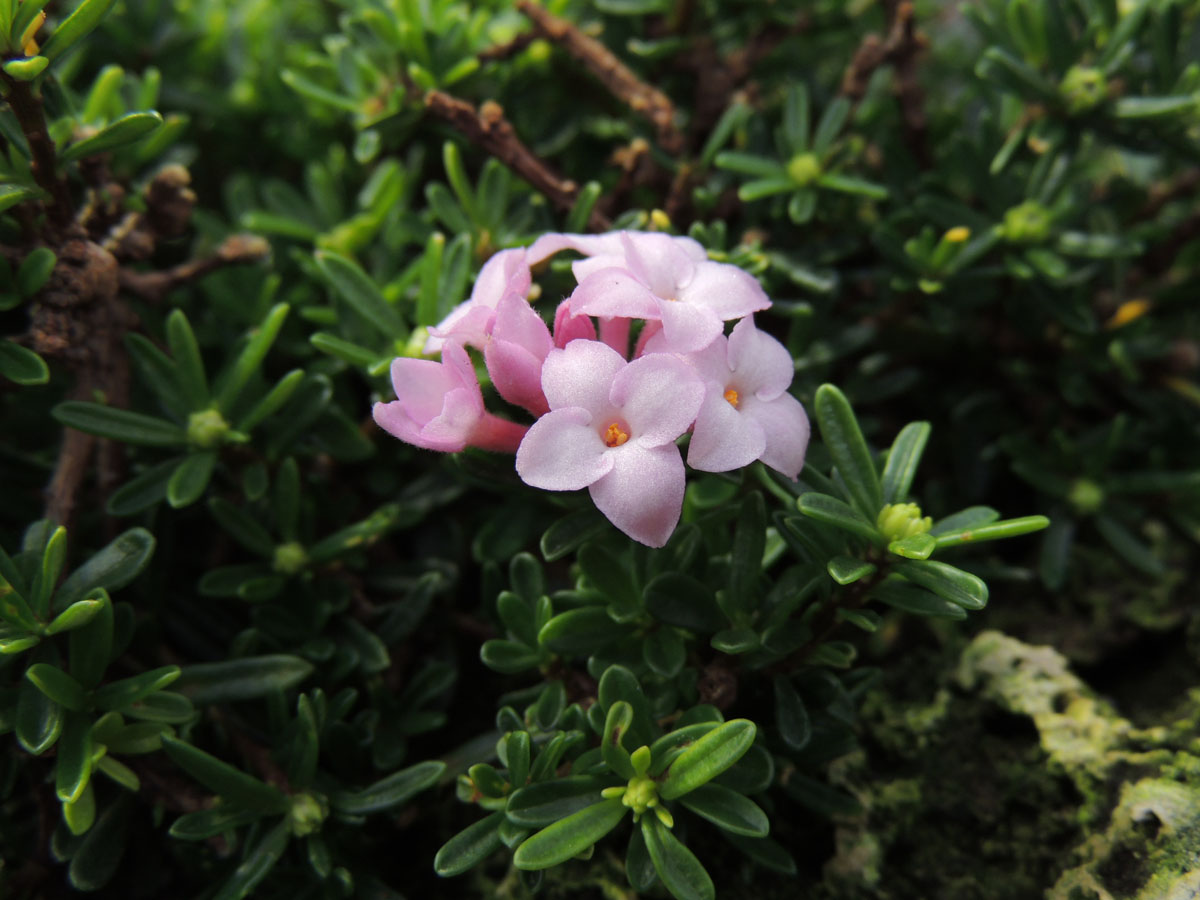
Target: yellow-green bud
[(1083, 88), (290, 558), (207, 429), (1026, 223), (804, 168), (1086, 496), (902, 520), (307, 813), (641, 794), (415, 346)]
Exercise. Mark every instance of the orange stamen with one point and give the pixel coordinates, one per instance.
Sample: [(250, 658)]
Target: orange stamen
[(614, 436), (731, 397)]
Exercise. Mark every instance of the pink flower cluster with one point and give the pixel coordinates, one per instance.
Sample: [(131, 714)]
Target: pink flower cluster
[(607, 419)]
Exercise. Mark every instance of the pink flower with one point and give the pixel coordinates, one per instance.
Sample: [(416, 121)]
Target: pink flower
[(439, 406), (747, 412), (611, 428), (471, 321), (514, 352), (660, 279), (571, 327)]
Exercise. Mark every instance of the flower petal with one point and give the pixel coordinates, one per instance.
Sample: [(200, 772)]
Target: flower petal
[(517, 322), (563, 452), (658, 262), (724, 438), (581, 375), (726, 290), (392, 418), (761, 364), (467, 323), (568, 326), (785, 424), (658, 396), (614, 292), (517, 374), (643, 494), (688, 328)]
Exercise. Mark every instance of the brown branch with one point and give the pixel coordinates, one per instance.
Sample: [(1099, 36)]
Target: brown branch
[(620, 80), (69, 472), (901, 48), (508, 48), (44, 164), (236, 250), (488, 128)]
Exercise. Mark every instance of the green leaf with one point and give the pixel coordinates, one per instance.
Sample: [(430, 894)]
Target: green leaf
[(681, 873), (190, 478), (581, 630), (26, 69), (472, 845), (570, 532), (125, 130), (750, 164), (99, 855), (820, 797), (58, 686), (639, 867), (832, 511), (1155, 107), (845, 443), (791, 716), (749, 541), (206, 823), (120, 773), (616, 725), (39, 719), (54, 555), (685, 602), (242, 679), (736, 640), (545, 802), (847, 570), (119, 424), (75, 27), (664, 652), (162, 706), (76, 615), (346, 351), (20, 364), (1129, 547), (120, 694), (111, 568), (257, 864), (918, 546), (509, 657), (80, 815), (90, 646), (231, 784), (946, 581), (360, 292), (12, 194), (244, 528), (708, 757), (913, 599), (397, 788), (830, 125), (609, 574), (188, 364), (73, 767), (1005, 528), (848, 185), (902, 461), (516, 754), (251, 357), (964, 520), (727, 810), (143, 490), (766, 852), (581, 210), (570, 836)]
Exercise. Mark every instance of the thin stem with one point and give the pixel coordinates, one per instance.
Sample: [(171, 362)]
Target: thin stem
[(30, 116)]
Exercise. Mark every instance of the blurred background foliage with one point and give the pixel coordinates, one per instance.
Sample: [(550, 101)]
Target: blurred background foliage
[(219, 223)]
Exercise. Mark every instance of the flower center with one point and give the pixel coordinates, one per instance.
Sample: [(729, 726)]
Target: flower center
[(731, 397), (615, 436)]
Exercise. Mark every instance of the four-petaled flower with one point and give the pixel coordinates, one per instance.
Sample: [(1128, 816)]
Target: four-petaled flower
[(611, 428)]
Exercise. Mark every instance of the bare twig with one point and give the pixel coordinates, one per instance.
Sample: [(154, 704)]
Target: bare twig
[(488, 128), (620, 80), (27, 107), (900, 49), (237, 249)]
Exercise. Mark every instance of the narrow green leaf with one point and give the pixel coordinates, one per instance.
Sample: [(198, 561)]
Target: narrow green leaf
[(162, 706), (231, 784), (251, 357), (75, 27), (143, 490), (708, 757), (902, 461), (346, 351), (674, 598), (1005, 528), (397, 788), (206, 823), (26, 69), (119, 424), (844, 441), (54, 555), (639, 867), (76, 615), (360, 292), (20, 364), (857, 186), (727, 810), (244, 528), (664, 652), (242, 679), (829, 126), (100, 853), (914, 599), (272, 401), (80, 815), (257, 864), (472, 845), (832, 511), (682, 874), (581, 630), (791, 716), (1129, 547), (188, 363), (581, 210), (58, 686), (570, 532), (191, 477), (545, 802), (749, 541), (73, 766), (964, 520), (918, 546), (12, 194), (616, 725), (509, 657), (847, 570), (120, 773), (120, 694), (570, 836), (39, 719), (765, 852), (750, 164), (90, 645), (946, 581), (1155, 107), (125, 130)]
